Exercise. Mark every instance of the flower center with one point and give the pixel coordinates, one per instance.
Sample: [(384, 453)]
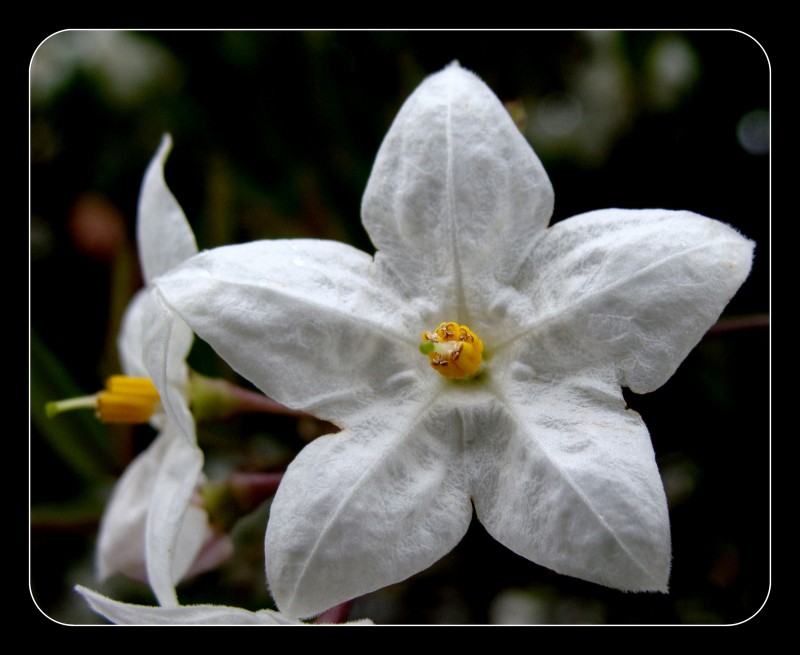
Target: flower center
[(454, 350), (124, 400)]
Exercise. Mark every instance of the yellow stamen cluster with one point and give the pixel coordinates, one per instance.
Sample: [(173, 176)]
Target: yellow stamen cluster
[(124, 400), (127, 400), (454, 350)]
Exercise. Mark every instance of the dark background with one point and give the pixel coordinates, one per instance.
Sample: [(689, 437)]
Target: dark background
[(274, 136)]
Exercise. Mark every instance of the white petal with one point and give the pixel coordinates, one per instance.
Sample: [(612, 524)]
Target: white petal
[(130, 339), (153, 343), (158, 483), (120, 542), (456, 197), (631, 289), (172, 543), (165, 238), (193, 536), (305, 321), (129, 614), (567, 478), (363, 509), (217, 549), (166, 343)]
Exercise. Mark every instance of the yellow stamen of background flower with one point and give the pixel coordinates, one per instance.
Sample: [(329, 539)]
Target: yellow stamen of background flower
[(454, 350), (124, 400)]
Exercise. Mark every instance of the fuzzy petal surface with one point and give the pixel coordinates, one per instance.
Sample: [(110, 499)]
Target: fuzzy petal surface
[(366, 508), (130, 614), (570, 481), (456, 196), (304, 320), (630, 289)]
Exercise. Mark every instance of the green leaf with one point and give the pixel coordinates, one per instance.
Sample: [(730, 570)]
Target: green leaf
[(84, 510), (80, 440)]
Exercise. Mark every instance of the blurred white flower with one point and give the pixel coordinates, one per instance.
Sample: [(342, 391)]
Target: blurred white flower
[(151, 529), (123, 63)]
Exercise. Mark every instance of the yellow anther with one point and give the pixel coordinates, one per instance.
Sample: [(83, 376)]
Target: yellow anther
[(127, 400), (124, 400), (454, 350)]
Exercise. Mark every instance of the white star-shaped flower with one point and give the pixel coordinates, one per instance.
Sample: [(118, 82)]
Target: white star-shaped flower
[(538, 330), (151, 530)]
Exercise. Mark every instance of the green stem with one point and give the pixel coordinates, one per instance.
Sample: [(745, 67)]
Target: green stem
[(216, 399)]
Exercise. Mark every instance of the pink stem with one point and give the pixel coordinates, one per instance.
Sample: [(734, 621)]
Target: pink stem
[(738, 323), (253, 488), (251, 401), (336, 614)]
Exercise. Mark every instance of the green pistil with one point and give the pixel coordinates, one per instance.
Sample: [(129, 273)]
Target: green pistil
[(55, 407)]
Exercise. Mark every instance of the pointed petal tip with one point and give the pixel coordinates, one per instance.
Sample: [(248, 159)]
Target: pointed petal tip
[(92, 598), (164, 236), (455, 70), (164, 147)]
